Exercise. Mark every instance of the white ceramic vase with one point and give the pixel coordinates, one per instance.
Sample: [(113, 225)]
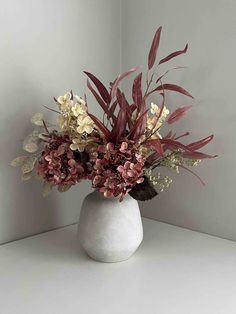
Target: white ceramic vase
[(109, 230)]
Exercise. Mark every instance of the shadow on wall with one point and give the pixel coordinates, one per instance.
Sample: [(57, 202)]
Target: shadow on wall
[(23, 210)]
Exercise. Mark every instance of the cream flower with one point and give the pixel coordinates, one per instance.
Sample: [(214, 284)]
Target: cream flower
[(164, 114), (85, 124), (152, 123), (154, 109), (37, 119), (65, 102), (78, 109), (80, 100), (156, 135), (63, 121), (64, 99), (78, 144)]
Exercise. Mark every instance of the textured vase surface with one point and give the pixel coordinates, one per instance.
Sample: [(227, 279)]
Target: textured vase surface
[(109, 230)]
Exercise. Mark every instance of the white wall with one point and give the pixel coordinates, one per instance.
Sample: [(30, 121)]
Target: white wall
[(44, 47), (209, 26)]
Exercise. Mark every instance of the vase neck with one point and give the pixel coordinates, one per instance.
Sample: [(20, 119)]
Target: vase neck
[(100, 196)]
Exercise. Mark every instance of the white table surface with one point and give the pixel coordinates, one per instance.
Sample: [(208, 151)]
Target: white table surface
[(174, 271)]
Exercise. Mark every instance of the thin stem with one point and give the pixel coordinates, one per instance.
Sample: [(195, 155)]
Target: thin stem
[(45, 127), (160, 160), (52, 109), (149, 83), (153, 131)]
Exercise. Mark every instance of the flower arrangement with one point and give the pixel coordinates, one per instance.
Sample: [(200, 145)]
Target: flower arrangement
[(121, 153)]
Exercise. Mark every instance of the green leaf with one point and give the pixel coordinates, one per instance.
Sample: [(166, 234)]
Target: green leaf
[(18, 161), (31, 147), (26, 176), (28, 165), (37, 119)]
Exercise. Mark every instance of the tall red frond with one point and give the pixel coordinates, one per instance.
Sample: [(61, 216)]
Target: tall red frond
[(135, 132), (137, 91), (156, 144), (122, 101), (100, 101), (154, 47), (133, 107), (125, 107), (201, 143), (178, 114), (173, 55), (101, 127), (174, 88), (173, 144), (187, 152), (100, 87), (119, 79), (197, 155), (120, 126)]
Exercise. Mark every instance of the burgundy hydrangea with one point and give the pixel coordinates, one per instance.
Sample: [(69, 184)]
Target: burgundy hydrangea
[(117, 168), (58, 164)]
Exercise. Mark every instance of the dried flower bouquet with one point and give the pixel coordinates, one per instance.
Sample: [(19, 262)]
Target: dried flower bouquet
[(120, 154)]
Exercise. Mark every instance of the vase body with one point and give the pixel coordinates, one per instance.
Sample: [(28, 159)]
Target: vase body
[(109, 230)]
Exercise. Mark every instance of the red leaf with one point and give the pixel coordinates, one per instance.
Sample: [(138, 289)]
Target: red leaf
[(174, 54), (135, 131), (100, 87), (156, 144), (124, 105), (120, 126), (137, 91), (174, 88), (112, 110), (187, 152), (169, 143), (123, 101), (143, 109), (168, 135), (197, 155), (152, 158), (133, 107), (120, 98), (199, 144), (182, 135), (98, 98), (177, 114), (119, 79), (101, 127), (154, 47)]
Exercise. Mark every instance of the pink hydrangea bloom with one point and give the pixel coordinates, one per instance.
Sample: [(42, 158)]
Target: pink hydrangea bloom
[(58, 165), (117, 169)]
